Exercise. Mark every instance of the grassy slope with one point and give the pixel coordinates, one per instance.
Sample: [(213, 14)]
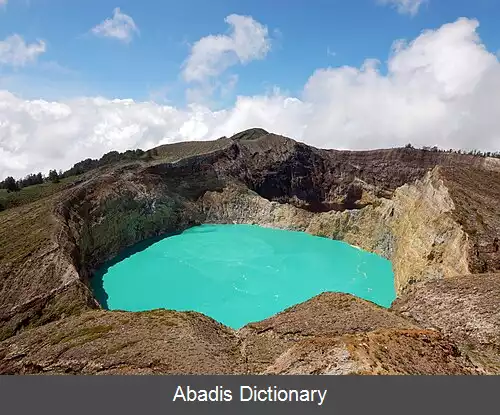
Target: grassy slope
[(170, 153), (32, 193), (23, 230), (26, 222)]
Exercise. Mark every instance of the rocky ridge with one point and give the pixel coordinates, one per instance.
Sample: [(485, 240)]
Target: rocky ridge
[(347, 336)]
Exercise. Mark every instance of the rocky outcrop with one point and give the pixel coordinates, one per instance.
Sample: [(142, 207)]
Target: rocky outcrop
[(434, 215), (381, 352), (475, 193), (39, 279), (428, 242), (465, 308), (327, 316)]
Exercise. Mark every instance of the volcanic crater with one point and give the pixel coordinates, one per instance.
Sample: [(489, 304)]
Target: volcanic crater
[(434, 215)]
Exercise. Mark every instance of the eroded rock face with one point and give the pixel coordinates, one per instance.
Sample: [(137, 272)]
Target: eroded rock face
[(72, 298), (465, 308), (434, 215), (381, 352), (475, 193), (429, 242)]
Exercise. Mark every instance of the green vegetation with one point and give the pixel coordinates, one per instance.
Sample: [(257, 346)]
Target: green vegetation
[(35, 186), (477, 153), (10, 184), (32, 193), (31, 179), (83, 335), (112, 157), (26, 229), (53, 176)]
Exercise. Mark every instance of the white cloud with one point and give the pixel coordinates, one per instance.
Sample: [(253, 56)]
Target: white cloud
[(211, 55), (121, 26), (410, 7), (14, 51), (441, 89)]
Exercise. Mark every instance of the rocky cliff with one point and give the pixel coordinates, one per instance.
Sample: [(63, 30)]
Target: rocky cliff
[(434, 215)]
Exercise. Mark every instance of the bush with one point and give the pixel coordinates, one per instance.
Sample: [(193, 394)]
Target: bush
[(31, 179), (10, 184), (53, 176)]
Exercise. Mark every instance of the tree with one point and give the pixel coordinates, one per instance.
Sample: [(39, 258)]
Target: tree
[(111, 157), (31, 179), (53, 176), (408, 145), (11, 184), (148, 155)]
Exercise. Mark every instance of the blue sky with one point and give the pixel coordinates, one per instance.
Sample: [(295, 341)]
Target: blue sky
[(149, 66), (82, 77)]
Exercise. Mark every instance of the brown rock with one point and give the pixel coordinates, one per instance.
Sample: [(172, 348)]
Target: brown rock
[(330, 334), (327, 315), (466, 308), (100, 342), (381, 352)]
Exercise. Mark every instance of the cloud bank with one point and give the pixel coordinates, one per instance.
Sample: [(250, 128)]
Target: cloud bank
[(442, 88)]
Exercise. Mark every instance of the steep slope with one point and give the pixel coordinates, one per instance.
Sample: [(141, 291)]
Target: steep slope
[(476, 195), (465, 308)]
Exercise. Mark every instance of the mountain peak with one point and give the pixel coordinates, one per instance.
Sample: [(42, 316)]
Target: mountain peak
[(250, 134)]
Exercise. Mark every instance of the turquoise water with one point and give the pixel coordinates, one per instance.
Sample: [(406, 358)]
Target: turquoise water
[(237, 274)]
